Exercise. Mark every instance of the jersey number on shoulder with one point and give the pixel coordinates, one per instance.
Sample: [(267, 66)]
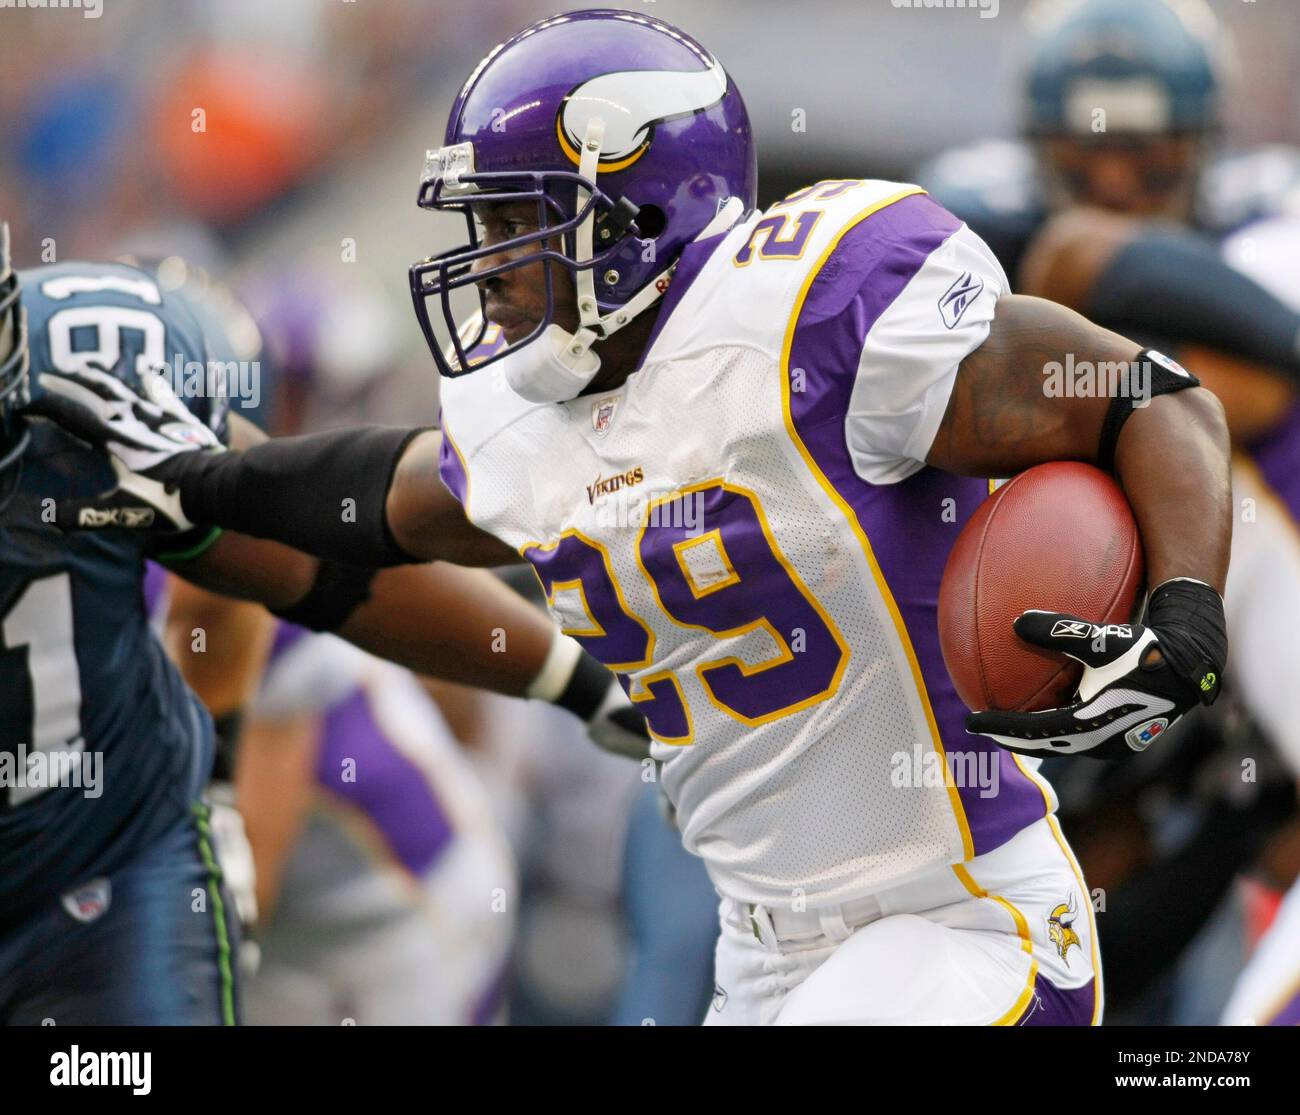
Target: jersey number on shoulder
[(108, 322), (39, 623), (714, 565), (785, 235)]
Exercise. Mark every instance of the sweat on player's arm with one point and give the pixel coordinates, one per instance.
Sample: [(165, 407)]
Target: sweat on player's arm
[(1170, 455)]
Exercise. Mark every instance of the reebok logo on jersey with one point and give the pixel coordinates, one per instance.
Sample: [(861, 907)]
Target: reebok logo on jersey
[(604, 486), (957, 298)]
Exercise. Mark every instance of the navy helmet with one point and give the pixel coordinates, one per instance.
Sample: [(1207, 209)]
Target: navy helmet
[(14, 359), (630, 138), (1153, 66)]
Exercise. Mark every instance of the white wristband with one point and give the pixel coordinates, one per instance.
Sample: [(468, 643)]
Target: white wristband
[(553, 678)]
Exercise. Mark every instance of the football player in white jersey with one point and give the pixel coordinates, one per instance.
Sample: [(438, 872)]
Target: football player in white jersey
[(1264, 590), (736, 447)]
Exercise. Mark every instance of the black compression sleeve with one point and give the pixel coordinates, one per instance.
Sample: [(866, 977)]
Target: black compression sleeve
[(1170, 283), (324, 494)]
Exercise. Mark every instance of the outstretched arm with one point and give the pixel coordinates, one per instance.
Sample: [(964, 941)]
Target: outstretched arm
[(459, 625), (329, 494)]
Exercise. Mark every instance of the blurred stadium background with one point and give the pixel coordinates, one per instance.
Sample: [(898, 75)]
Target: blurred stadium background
[(300, 192)]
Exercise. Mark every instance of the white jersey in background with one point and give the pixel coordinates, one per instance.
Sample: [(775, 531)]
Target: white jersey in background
[(1262, 603), (397, 903)]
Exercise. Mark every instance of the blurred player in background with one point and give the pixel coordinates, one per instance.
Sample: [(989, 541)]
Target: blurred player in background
[(1118, 205), (385, 892), (1263, 591), (818, 380)]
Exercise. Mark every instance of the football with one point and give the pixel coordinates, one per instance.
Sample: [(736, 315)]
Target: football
[(1060, 537)]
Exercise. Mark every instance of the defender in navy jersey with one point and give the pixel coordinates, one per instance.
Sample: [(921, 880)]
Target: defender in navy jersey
[(112, 908)]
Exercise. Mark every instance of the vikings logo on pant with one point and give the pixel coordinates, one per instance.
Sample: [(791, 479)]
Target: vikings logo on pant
[(1060, 928)]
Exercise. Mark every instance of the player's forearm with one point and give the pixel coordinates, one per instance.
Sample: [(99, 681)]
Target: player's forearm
[(460, 625), (219, 644), (1172, 459), (324, 494)]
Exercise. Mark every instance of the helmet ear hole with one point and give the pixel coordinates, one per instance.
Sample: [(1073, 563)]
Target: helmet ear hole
[(652, 221)]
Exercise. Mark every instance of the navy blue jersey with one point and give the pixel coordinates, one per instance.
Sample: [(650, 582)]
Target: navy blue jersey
[(85, 686)]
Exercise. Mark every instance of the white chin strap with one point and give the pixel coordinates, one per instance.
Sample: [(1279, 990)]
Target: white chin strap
[(562, 363)]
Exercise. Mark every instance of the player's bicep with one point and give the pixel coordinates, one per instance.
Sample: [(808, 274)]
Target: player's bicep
[(1007, 410)]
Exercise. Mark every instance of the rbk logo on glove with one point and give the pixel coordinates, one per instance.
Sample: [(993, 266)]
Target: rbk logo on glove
[(1137, 680)]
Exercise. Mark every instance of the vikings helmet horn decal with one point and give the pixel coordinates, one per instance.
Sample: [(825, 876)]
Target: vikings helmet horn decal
[(631, 103)]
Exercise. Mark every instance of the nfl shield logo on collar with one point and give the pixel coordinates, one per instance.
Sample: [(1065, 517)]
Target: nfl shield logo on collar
[(602, 415), (88, 902)]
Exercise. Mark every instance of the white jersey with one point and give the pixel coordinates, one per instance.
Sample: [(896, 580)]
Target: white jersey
[(1262, 596), (392, 907), (1268, 991), (747, 533)]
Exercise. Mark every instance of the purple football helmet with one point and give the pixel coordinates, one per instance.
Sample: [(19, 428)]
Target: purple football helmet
[(628, 136)]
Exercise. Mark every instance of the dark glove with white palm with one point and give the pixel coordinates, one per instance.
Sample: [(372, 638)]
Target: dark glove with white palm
[(144, 431), (1137, 680)]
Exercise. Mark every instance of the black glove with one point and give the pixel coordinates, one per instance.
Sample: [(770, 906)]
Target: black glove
[(1129, 694)]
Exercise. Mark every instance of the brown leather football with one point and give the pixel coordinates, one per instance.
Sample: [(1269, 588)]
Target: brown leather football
[(1060, 537)]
